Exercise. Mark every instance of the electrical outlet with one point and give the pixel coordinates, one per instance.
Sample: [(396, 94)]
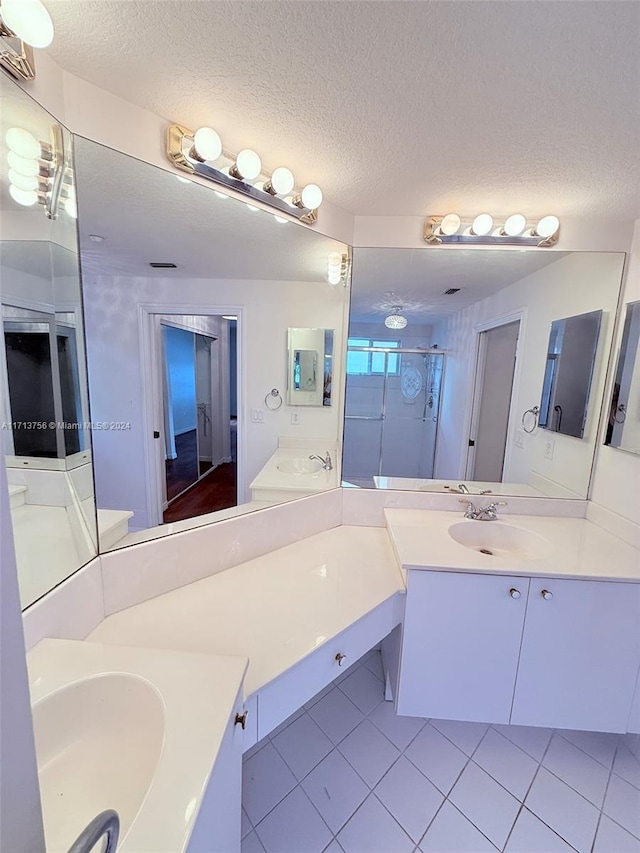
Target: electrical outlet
[(519, 438), (549, 447), (295, 418), (257, 416)]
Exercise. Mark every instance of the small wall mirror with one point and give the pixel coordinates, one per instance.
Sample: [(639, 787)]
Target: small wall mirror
[(571, 354), (623, 429), (310, 360)]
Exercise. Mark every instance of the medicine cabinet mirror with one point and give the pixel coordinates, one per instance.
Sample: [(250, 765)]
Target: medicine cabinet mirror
[(310, 367), (623, 427)]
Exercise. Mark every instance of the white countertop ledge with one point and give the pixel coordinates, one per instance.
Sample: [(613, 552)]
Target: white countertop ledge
[(274, 609), (579, 549)]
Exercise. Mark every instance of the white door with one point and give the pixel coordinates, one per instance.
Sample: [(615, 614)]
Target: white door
[(580, 655), (460, 645)]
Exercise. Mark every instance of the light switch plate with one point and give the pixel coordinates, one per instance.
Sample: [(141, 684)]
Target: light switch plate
[(519, 438), (549, 447), (295, 418), (257, 416)]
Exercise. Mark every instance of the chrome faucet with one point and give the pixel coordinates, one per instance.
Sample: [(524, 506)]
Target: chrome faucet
[(327, 464), (105, 824), (463, 489), (487, 513)]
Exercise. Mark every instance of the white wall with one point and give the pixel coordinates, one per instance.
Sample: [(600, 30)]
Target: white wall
[(267, 309), (575, 284), (616, 479)]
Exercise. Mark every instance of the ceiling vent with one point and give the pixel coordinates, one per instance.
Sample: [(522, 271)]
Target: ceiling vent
[(451, 291), (158, 265)]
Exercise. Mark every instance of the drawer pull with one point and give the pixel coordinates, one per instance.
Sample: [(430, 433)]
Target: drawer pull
[(241, 720), (340, 657), (546, 594), (514, 593)]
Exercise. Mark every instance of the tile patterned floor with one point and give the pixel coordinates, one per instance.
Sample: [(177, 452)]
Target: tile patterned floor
[(345, 775)]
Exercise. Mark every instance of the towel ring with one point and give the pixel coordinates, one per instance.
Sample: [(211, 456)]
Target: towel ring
[(273, 397), (535, 411), (620, 414)]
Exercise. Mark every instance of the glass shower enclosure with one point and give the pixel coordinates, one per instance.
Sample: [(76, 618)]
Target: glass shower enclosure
[(391, 412)]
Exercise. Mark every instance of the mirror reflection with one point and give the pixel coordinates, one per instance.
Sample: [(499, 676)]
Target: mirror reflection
[(623, 430), (44, 410), (191, 300), (446, 366)]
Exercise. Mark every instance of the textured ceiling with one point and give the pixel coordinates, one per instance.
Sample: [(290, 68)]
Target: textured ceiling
[(393, 107)]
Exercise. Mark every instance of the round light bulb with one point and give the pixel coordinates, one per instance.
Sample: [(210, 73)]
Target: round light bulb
[(514, 225), (311, 196), (24, 197), (333, 279), (482, 225), (28, 183), (248, 164), (547, 226), (29, 20), (207, 143), (22, 166), (23, 143), (335, 259), (450, 224), (282, 180)]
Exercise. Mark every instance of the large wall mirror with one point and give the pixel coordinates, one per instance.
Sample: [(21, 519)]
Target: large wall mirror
[(189, 361), (43, 384), (448, 380)]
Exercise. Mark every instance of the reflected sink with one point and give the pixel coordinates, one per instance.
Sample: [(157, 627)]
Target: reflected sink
[(113, 724), (300, 465), (500, 540)]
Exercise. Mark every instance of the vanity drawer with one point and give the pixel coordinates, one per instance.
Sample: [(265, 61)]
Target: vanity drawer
[(281, 697)]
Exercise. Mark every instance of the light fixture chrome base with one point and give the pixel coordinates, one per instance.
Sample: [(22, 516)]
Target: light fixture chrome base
[(527, 238), (15, 55), (179, 142)]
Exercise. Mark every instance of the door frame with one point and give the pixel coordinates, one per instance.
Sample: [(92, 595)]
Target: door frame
[(152, 363), (474, 393)]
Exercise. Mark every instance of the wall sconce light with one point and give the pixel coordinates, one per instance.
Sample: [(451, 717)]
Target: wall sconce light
[(482, 230), (24, 24), (338, 269), (201, 153), (40, 172)]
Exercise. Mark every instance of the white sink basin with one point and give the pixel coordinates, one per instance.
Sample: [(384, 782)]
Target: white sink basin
[(300, 465), (99, 723), (494, 539)]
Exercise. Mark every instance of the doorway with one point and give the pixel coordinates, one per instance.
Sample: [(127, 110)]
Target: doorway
[(495, 371)]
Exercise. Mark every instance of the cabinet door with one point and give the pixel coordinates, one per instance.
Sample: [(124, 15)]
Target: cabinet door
[(460, 645), (580, 654)]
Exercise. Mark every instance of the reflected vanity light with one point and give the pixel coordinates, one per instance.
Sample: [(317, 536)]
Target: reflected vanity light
[(40, 172), (24, 24), (482, 230), (337, 269), (201, 153)]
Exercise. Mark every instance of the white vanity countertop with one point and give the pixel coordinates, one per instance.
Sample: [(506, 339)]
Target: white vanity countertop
[(269, 477), (577, 547), (275, 609)]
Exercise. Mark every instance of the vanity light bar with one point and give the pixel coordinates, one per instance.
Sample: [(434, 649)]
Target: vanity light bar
[(201, 153), (337, 269), (40, 172), (482, 229), (23, 26)]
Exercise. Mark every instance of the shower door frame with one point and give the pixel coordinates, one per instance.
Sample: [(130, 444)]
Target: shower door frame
[(383, 416)]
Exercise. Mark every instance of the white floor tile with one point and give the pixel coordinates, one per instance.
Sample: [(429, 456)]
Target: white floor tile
[(627, 765), (266, 780), (335, 789), (373, 661), (622, 803), (434, 755), (507, 763), (531, 739), (466, 736), (373, 830), (294, 826), (599, 745), (251, 844), (410, 797), (569, 815), (319, 696), (369, 752), (336, 715), (334, 847), (530, 835), (246, 824), (612, 838), (581, 772), (286, 723), (400, 730), (364, 689), (485, 803), (451, 832), (303, 744)]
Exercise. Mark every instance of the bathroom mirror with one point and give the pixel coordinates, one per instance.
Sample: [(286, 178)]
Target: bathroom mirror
[(310, 367), (623, 428), (571, 353), (186, 360), (44, 411), (447, 350)]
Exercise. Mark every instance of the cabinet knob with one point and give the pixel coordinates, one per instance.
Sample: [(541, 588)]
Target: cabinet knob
[(546, 594), (241, 720), (514, 593), (340, 657)]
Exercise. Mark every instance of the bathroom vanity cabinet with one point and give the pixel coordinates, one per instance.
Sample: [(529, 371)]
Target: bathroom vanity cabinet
[(523, 650)]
